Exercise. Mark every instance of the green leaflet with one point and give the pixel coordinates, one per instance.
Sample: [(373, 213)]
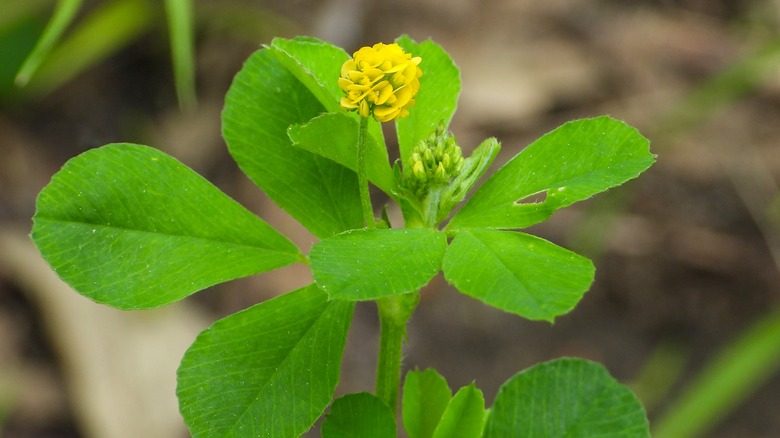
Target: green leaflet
[(566, 398), (464, 416), (131, 227), (267, 371), (425, 398), (569, 164), (334, 136), (368, 264), (517, 272), (358, 416), (317, 64), (263, 101), (431, 411)]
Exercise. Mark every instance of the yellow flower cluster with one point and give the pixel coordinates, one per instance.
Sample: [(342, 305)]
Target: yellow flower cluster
[(381, 81)]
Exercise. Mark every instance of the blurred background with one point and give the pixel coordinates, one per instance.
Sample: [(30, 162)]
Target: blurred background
[(684, 306)]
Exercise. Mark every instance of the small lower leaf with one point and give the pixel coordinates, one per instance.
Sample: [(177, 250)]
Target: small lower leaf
[(267, 371), (358, 416), (367, 264), (517, 272), (464, 416), (566, 398), (426, 396)]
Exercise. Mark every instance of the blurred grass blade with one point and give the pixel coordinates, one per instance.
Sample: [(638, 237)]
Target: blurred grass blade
[(63, 16), (243, 22), (726, 87), (660, 374), (108, 29), (726, 382), (180, 30), (18, 10)]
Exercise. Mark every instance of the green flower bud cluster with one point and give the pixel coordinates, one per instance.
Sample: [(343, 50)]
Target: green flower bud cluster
[(435, 161)]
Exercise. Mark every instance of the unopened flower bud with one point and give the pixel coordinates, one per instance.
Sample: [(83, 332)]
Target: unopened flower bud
[(419, 171), (434, 162)]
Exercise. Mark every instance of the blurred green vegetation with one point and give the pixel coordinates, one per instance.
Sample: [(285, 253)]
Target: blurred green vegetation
[(47, 43)]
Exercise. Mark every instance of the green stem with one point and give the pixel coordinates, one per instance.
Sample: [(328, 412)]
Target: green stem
[(431, 206), (394, 313), (388, 376), (365, 196)]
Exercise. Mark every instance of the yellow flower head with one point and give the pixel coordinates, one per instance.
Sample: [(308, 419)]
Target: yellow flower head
[(381, 81)]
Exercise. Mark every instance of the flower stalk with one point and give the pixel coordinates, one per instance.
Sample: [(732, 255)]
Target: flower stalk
[(365, 195)]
